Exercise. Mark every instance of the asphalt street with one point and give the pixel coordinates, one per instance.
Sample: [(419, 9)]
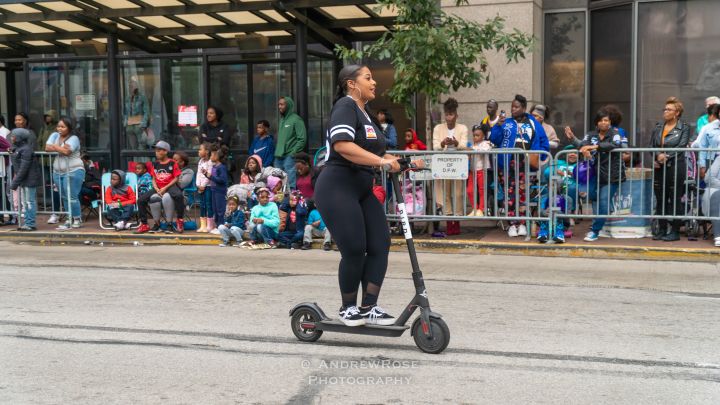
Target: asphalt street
[(206, 325)]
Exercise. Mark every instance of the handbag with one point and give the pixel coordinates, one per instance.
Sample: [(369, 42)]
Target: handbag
[(584, 172)]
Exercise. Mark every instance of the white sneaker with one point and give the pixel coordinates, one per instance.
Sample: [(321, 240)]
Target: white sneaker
[(512, 231), (64, 227), (522, 230), (128, 225), (120, 225), (215, 231), (717, 241), (54, 219)]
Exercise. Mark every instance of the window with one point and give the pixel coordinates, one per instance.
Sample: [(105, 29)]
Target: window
[(610, 54), (678, 55), (229, 92), (564, 70)]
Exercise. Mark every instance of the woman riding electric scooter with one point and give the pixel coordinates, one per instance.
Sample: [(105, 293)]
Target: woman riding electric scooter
[(344, 197)]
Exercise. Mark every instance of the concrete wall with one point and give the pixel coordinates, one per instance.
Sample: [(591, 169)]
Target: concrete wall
[(506, 80)]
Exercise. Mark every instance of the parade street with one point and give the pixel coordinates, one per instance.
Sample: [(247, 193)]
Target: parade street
[(206, 325)]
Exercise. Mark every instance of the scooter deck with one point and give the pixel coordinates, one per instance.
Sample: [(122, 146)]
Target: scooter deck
[(333, 325)]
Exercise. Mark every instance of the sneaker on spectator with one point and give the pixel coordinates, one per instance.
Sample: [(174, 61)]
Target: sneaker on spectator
[(591, 236), (180, 225), (522, 230), (128, 225), (512, 231), (306, 246), (542, 236), (143, 228), (271, 245), (223, 244), (155, 228), (295, 245), (327, 246), (282, 245), (215, 231), (717, 241), (65, 227), (54, 219), (119, 225), (170, 229), (559, 237), (76, 223)]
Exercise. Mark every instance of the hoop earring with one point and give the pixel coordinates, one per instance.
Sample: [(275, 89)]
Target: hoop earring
[(359, 98)]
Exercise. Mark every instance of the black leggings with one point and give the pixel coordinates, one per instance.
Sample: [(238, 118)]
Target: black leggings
[(357, 222), (669, 189)]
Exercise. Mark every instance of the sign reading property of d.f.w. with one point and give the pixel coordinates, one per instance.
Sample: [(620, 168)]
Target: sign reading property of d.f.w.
[(453, 167)]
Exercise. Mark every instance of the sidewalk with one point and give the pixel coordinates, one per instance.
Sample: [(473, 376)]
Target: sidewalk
[(472, 241)]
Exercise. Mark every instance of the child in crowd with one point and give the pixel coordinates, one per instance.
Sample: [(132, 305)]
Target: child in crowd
[(234, 224), (264, 221), (412, 142), (253, 169), (565, 197), (144, 178), (316, 227), (165, 175), (120, 198), (186, 173), (476, 180), (274, 184), (295, 212), (27, 174), (219, 179), (304, 174), (263, 144), (204, 195)]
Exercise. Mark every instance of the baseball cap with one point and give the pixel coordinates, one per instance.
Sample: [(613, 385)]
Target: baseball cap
[(162, 145)]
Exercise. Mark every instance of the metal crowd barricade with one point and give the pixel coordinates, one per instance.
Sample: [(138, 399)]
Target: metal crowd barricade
[(511, 189), (658, 184), (49, 195)]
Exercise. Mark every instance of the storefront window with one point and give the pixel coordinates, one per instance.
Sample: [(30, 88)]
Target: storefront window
[(229, 92), (320, 98), (564, 75), (611, 68), (153, 92), (678, 55), (77, 90), (270, 82)]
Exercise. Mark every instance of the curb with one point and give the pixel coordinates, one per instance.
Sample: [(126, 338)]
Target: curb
[(467, 246)]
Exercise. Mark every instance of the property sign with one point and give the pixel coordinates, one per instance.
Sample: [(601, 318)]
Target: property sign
[(452, 167), (187, 115), (85, 102)]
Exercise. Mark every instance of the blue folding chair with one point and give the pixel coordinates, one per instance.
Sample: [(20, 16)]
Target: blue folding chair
[(130, 180)]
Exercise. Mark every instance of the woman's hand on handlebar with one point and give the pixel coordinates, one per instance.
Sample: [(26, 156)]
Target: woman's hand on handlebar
[(391, 163), (418, 164)]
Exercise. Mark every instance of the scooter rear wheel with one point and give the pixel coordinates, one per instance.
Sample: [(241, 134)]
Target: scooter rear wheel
[(305, 315), (440, 335)]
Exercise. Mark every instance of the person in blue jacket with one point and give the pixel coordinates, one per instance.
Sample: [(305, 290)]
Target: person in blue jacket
[(263, 144), (295, 218), (234, 225), (520, 131)]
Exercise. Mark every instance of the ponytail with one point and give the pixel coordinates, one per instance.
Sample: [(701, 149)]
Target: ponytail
[(349, 72)]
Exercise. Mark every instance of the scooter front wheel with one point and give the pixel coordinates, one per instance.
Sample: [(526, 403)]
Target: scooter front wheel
[(303, 325), (440, 335)]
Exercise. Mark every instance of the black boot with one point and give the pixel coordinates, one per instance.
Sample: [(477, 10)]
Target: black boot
[(674, 234), (661, 231)]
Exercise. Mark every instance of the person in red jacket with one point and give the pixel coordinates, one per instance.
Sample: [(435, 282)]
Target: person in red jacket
[(120, 200), (412, 141)]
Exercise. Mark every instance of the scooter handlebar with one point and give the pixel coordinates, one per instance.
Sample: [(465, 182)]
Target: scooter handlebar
[(405, 164)]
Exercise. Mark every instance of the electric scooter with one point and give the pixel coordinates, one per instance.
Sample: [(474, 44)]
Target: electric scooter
[(431, 333)]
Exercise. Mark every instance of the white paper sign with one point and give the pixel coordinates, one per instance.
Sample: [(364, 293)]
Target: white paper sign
[(85, 102), (453, 167), (187, 115)]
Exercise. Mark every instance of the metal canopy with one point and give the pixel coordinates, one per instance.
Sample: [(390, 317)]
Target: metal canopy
[(166, 26)]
